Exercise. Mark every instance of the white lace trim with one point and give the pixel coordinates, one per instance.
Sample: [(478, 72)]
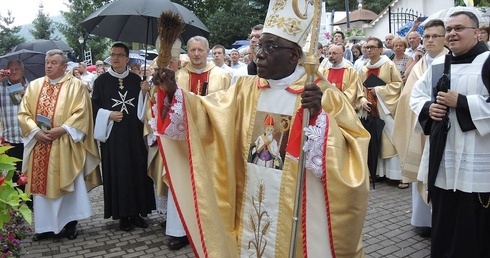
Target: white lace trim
[(314, 150), (177, 128), (152, 122), (151, 138)]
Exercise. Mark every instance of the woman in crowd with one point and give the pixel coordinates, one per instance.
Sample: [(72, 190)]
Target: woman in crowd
[(356, 52), (484, 35), (77, 73), (401, 60), (100, 70)]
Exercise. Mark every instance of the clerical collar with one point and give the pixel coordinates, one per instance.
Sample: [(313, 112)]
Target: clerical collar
[(199, 71), (118, 75), (469, 56), (289, 80), (382, 60), (340, 65), (54, 81)]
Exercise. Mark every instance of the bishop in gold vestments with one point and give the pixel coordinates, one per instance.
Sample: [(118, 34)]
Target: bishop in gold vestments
[(234, 208)]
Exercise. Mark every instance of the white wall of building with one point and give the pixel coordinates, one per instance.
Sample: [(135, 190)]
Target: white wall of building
[(326, 23), (426, 7)]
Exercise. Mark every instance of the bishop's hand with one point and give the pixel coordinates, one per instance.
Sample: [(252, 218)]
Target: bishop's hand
[(311, 98), (164, 78)]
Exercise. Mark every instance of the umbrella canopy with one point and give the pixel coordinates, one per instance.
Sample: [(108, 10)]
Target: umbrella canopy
[(445, 13), (239, 43), (439, 130), (137, 21), (374, 125), (403, 30), (43, 45), (33, 62)]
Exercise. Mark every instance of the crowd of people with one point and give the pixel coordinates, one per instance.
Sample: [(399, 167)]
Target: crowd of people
[(215, 146)]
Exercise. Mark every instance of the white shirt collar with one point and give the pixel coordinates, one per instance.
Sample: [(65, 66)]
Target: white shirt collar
[(289, 80)]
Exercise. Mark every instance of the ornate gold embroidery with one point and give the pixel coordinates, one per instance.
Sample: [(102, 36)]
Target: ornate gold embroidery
[(279, 5), (290, 26), (48, 98), (259, 222)]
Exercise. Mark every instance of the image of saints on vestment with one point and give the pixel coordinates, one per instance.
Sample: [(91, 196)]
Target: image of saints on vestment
[(271, 133)]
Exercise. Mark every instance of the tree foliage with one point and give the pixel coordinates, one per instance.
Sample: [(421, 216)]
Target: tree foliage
[(9, 37), (72, 30), (233, 24), (42, 25), (228, 21), (204, 9), (475, 2)]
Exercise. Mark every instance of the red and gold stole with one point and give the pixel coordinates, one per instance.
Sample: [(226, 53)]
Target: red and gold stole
[(46, 106), (336, 76), (198, 83)]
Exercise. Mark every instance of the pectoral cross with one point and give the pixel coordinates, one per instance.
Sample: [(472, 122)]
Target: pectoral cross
[(121, 86)]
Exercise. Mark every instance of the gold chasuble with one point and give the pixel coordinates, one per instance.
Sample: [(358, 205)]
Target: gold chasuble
[(236, 197), (345, 78), (389, 94), (59, 104), (198, 83)]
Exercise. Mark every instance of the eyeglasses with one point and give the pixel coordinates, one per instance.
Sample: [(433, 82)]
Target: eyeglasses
[(435, 36), (268, 48), (458, 28), (118, 55), (371, 47)]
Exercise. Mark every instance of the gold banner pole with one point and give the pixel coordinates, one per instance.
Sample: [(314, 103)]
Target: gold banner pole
[(311, 66)]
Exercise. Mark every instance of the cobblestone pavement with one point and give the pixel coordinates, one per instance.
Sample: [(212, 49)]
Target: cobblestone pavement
[(387, 232)]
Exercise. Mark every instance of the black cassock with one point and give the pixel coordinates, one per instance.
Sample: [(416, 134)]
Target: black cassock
[(128, 191)]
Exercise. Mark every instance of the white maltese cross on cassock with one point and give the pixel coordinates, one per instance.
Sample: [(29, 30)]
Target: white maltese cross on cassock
[(123, 102)]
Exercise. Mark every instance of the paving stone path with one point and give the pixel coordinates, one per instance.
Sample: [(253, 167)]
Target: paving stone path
[(387, 232)]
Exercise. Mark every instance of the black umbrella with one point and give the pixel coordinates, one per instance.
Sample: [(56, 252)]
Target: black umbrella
[(137, 21), (439, 130), (374, 125), (33, 62), (43, 45)]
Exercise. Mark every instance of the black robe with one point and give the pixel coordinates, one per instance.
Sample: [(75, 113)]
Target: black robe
[(128, 191)]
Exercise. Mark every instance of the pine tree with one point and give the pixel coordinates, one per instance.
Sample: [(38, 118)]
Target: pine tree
[(42, 25), (9, 35), (72, 30)]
